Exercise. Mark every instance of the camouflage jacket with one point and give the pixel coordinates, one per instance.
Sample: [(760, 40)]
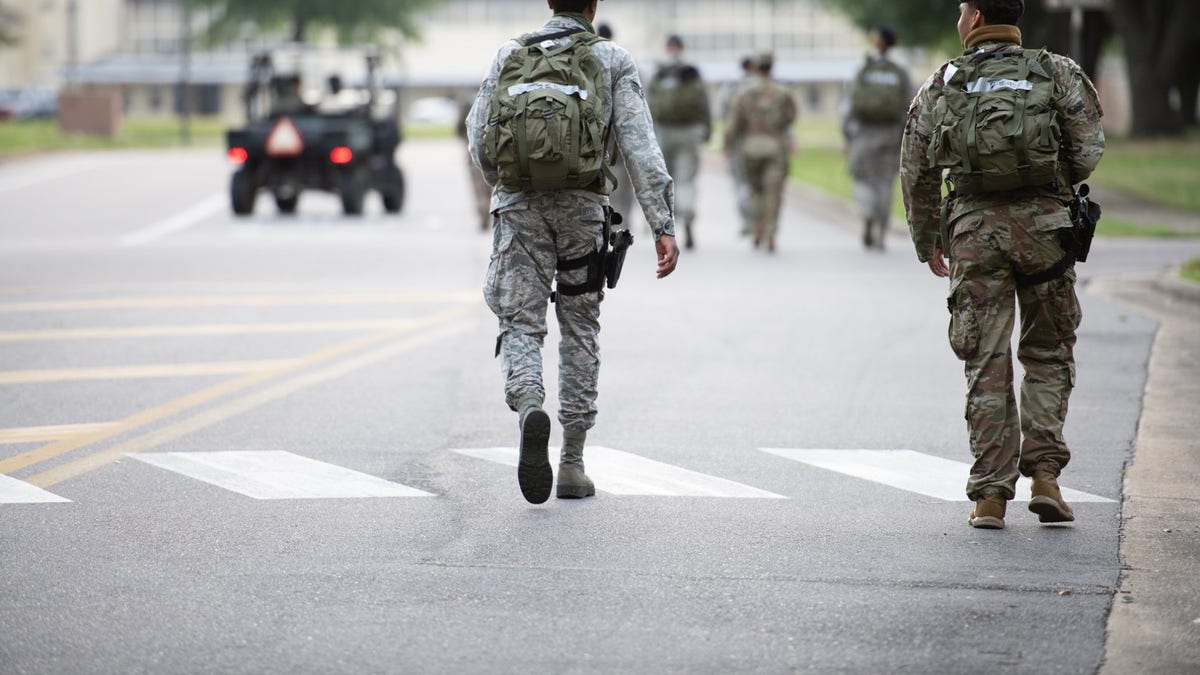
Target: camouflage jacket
[(1079, 114), (760, 119), (629, 120)]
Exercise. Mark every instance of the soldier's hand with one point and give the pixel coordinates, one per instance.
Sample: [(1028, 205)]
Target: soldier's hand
[(668, 255), (937, 264)]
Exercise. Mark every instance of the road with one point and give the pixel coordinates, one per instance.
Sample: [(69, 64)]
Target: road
[(279, 445)]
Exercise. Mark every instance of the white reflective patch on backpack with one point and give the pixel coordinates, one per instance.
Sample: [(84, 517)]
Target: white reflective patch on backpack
[(883, 77), (984, 85), (568, 89)]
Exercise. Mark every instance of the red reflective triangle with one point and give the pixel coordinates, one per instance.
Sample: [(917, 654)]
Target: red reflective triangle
[(285, 139)]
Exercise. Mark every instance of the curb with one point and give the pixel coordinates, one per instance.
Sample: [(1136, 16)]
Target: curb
[(1172, 284)]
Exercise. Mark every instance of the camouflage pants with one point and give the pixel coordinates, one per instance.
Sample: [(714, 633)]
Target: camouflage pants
[(681, 149), (986, 248), (530, 238), (766, 177), (874, 160)]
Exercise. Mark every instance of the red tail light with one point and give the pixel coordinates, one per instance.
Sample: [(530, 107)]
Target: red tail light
[(341, 155), (238, 155)]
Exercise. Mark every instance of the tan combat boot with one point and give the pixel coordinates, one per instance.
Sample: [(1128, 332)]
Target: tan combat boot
[(573, 483), (1047, 500), (988, 513)]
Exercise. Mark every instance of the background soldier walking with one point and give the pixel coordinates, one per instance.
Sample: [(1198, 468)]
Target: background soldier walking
[(682, 124), (551, 211), (1006, 233), (873, 126), (758, 131)]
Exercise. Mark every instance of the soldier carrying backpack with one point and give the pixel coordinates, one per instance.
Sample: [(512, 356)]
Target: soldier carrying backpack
[(873, 125), (1014, 129), (553, 107)]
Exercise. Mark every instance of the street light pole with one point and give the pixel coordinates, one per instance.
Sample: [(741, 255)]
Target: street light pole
[(185, 75), (72, 44)]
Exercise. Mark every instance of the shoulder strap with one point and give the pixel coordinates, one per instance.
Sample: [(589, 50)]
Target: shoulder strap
[(527, 40)]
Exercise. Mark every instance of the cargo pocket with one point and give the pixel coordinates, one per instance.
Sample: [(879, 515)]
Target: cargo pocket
[(964, 321), (493, 285), (1063, 305)]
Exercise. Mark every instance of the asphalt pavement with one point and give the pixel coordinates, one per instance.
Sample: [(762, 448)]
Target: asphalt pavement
[(279, 444)]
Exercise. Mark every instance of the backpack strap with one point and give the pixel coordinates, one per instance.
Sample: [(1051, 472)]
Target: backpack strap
[(528, 40), (1019, 135)]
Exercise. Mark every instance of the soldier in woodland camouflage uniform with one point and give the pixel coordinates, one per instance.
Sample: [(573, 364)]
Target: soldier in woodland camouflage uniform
[(537, 230), (1000, 243), (758, 132)]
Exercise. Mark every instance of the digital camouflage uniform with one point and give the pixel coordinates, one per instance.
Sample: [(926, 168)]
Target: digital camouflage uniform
[(993, 238), (681, 145), (874, 159), (758, 130), (535, 230)]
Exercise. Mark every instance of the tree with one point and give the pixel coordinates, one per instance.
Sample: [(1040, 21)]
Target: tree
[(1052, 30), (352, 19), (10, 22), (917, 22), (1159, 37)]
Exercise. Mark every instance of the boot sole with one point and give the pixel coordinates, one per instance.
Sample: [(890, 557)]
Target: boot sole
[(1049, 511), (534, 474), (575, 491), (987, 522)]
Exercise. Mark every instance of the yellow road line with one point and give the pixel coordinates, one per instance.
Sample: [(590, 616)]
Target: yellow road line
[(141, 371), (238, 406), (201, 301), (117, 332), (209, 394), (51, 433)]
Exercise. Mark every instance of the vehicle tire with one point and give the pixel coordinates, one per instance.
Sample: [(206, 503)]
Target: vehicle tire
[(241, 193), (392, 190), (287, 205), (353, 190)]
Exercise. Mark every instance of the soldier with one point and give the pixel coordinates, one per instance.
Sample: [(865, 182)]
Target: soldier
[(682, 124), (622, 196), (873, 125), (736, 170), (479, 188), (543, 232), (1003, 232), (758, 130)]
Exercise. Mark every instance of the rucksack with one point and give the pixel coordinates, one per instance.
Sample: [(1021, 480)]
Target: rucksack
[(677, 95), (880, 92), (995, 126), (767, 111), (546, 126)]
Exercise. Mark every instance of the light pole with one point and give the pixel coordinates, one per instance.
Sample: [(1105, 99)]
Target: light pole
[(185, 74)]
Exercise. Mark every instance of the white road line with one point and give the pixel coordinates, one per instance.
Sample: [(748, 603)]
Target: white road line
[(13, 491), (622, 473), (917, 472), (176, 223), (277, 475), (53, 432)]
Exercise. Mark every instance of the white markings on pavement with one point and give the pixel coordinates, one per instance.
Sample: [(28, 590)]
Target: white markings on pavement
[(277, 475), (178, 222), (13, 491), (622, 473), (912, 471)]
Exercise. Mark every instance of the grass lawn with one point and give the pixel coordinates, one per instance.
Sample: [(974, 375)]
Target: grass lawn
[(18, 137), (1165, 171), (1191, 270), (821, 163)]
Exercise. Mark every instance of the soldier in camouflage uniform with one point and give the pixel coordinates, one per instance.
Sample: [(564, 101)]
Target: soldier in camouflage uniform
[(999, 243), (758, 131), (537, 230), (873, 142)]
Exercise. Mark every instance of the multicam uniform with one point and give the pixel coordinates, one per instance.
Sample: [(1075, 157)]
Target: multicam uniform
[(997, 242), (760, 119), (535, 230)]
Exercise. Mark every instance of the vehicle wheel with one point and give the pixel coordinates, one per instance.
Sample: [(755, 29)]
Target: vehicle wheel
[(392, 190), (287, 204), (241, 193), (353, 189)]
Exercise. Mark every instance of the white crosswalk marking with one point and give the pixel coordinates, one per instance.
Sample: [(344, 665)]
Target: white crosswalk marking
[(13, 491), (909, 470), (277, 475), (622, 473)]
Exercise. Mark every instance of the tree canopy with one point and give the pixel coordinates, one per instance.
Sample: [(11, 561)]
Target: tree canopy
[(10, 24), (352, 19)]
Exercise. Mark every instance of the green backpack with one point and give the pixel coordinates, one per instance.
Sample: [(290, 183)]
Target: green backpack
[(546, 127), (880, 93), (677, 95), (995, 126)]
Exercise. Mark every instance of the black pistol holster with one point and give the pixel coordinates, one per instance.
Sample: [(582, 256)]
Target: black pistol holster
[(603, 266)]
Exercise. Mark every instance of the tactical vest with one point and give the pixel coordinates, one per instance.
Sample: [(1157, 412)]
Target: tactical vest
[(995, 126), (546, 125), (677, 95), (880, 93)]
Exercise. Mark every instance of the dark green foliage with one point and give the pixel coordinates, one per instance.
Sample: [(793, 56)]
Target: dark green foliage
[(353, 20), (917, 22)]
